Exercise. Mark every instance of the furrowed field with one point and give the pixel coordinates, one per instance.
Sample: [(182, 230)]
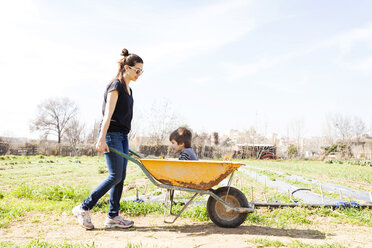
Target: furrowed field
[(37, 194)]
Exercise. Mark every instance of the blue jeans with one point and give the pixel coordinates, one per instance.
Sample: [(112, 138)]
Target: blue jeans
[(117, 167)]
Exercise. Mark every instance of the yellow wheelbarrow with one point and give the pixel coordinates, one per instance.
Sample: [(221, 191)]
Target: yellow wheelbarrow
[(227, 206)]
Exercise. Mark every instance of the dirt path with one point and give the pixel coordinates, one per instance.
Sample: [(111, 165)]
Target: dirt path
[(150, 231)]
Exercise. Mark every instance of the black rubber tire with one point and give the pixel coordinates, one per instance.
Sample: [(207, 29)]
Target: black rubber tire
[(217, 212)]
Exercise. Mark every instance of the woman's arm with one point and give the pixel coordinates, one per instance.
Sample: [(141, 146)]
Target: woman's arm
[(112, 98)]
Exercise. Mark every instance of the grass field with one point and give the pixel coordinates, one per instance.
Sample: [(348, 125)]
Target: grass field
[(38, 184)]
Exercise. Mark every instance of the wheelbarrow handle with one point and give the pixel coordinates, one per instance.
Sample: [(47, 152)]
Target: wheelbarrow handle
[(135, 153), (139, 163), (127, 156)]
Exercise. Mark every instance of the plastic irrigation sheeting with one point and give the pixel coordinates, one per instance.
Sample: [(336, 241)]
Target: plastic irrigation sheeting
[(307, 197), (345, 191)]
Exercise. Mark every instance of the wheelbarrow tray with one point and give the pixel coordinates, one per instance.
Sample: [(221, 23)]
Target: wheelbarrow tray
[(201, 175)]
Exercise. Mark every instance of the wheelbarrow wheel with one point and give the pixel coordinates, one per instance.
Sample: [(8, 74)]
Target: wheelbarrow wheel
[(217, 211)]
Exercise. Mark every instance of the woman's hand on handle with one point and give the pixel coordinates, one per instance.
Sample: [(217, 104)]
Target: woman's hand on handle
[(102, 146)]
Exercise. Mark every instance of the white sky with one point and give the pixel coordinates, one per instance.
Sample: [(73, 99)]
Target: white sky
[(221, 64)]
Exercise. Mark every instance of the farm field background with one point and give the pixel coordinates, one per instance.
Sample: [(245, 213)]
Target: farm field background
[(37, 194)]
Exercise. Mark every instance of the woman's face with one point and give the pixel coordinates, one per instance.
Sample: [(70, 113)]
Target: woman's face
[(135, 71)]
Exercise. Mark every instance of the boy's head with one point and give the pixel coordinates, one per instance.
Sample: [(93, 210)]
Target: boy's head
[(181, 139)]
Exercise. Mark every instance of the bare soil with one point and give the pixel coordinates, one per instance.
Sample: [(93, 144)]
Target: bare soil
[(150, 231)]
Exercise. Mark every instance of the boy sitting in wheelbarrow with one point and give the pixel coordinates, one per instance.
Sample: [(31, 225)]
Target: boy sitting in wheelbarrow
[(181, 142)]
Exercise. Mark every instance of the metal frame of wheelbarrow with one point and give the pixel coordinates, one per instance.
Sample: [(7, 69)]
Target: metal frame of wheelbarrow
[(171, 188)]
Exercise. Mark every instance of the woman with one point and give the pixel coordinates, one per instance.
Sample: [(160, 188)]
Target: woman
[(116, 123)]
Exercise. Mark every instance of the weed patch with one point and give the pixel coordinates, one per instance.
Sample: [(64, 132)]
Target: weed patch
[(280, 217), (43, 244), (11, 208), (266, 242), (8, 213), (50, 192), (131, 245), (102, 170), (299, 244), (355, 216), (140, 208)]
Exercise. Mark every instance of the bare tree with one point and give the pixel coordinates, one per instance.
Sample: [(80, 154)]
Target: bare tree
[(329, 130), (201, 141), (137, 125), (54, 116), (358, 128), (343, 127), (296, 131), (4, 146), (74, 133), (250, 136), (162, 121), (216, 139), (92, 136)]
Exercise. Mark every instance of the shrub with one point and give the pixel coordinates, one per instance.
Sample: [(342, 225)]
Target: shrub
[(341, 148), (102, 170), (292, 151), (53, 192)]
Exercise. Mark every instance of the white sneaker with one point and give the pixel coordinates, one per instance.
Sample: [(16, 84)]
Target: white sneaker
[(118, 221), (83, 217)]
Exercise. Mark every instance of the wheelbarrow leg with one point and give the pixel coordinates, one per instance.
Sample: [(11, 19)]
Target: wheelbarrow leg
[(171, 194), (168, 195)]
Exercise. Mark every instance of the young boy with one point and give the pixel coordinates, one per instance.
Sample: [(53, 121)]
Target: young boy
[(181, 142)]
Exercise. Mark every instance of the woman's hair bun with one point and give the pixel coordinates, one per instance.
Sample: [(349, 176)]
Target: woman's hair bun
[(124, 52)]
